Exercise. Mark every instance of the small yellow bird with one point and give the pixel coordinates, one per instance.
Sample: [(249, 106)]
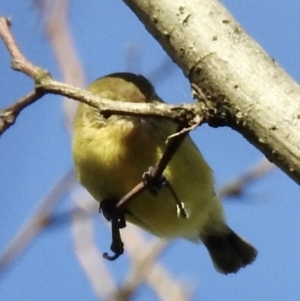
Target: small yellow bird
[(111, 153)]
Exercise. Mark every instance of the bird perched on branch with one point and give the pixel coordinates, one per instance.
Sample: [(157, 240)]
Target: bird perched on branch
[(112, 152)]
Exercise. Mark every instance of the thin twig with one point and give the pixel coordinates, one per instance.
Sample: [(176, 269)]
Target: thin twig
[(236, 187), (39, 220), (172, 146), (193, 125), (163, 70), (9, 115), (157, 276), (19, 62), (84, 245), (45, 83), (178, 113), (87, 251), (57, 30), (85, 248), (142, 266)]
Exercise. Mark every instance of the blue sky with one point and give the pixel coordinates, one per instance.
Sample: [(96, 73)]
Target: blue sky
[(35, 153)]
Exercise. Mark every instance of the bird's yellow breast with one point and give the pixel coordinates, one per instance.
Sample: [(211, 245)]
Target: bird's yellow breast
[(110, 160)]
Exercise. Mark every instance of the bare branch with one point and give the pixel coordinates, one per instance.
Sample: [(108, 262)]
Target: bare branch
[(238, 83), (181, 113), (39, 220), (236, 187), (45, 84), (86, 250), (157, 277), (9, 115), (229, 74), (57, 29), (173, 144), (19, 62), (141, 252), (142, 266)]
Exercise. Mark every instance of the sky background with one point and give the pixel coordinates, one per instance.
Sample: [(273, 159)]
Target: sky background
[(35, 153)]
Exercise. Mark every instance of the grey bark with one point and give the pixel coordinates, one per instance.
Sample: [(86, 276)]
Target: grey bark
[(237, 83)]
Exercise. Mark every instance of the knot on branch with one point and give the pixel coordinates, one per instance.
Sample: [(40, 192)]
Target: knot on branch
[(41, 78), (215, 106), (7, 118)]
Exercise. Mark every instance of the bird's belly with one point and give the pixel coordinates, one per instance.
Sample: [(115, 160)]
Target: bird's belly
[(158, 214), (115, 165)]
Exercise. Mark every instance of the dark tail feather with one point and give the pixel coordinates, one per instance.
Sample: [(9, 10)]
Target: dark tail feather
[(228, 251)]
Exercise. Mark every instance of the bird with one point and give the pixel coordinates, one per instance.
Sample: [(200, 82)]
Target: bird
[(111, 153)]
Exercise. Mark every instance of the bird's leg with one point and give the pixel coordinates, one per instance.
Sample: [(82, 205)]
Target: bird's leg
[(181, 211), (155, 186), (117, 219)]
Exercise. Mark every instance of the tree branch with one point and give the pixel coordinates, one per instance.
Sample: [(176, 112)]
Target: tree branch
[(228, 71), (10, 114), (237, 187), (39, 220), (44, 84), (233, 78)]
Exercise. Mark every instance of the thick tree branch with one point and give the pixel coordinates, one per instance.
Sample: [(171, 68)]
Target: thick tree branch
[(234, 79)]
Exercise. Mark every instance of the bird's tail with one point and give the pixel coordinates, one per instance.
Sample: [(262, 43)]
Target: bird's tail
[(228, 251)]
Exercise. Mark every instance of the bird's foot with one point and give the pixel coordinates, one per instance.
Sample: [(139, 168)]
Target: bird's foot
[(155, 186)]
